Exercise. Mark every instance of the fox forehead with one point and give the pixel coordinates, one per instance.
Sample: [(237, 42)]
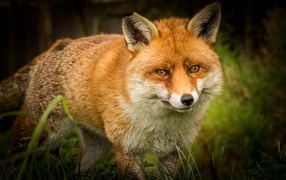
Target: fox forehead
[(170, 25), (172, 52), (177, 44)]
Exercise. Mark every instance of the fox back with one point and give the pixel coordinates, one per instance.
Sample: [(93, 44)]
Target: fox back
[(144, 91)]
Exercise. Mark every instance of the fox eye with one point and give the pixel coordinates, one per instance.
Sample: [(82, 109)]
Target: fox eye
[(193, 69), (163, 72)]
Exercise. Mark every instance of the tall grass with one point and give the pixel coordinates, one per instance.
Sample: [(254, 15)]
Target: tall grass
[(31, 164)]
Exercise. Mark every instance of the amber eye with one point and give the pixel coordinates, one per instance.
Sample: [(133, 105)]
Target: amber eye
[(194, 69), (163, 72)]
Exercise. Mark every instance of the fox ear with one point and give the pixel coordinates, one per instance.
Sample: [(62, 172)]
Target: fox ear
[(138, 31), (205, 24)]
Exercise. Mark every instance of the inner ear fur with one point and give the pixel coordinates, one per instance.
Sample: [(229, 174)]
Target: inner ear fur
[(205, 24), (138, 31)]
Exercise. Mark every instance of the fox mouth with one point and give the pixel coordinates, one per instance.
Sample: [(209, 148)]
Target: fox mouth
[(166, 103), (169, 105)]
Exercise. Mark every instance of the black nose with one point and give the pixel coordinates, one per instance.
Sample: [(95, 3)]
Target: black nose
[(187, 99)]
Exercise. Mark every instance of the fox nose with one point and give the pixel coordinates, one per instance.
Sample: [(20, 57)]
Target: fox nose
[(187, 99)]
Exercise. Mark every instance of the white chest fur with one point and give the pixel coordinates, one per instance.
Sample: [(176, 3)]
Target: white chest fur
[(156, 128)]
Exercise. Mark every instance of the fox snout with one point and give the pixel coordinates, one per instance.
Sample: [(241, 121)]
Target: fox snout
[(182, 102), (187, 99)]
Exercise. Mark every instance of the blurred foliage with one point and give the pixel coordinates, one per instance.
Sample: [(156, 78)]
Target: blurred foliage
[(270, 167), (249, 115)]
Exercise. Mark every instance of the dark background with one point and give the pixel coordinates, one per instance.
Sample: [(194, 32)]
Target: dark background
[(29, 27)]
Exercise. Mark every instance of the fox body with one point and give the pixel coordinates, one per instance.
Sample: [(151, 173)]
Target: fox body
[(144, 91)]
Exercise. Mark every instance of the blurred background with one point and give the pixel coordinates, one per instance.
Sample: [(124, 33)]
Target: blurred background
[(29, 27), (245, 129)]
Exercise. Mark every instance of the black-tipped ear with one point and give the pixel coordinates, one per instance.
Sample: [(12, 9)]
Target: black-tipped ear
[(138, 31), (205, 24)]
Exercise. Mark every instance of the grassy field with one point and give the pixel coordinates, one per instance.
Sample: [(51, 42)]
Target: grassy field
[(244, 132), (243, 137), (246, 121)]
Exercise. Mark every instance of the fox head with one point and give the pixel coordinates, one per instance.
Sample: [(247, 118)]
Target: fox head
[(174, 65)]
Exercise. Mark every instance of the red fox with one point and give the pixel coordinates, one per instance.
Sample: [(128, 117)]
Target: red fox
[(144, 91)]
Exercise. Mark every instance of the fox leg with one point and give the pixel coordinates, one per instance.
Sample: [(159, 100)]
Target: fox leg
[(94, 147), (59, 133), (169, 166), (24, 127), (130, 166)]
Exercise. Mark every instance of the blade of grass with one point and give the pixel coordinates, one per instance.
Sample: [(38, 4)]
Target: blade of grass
[(12, 113), (37, 133)]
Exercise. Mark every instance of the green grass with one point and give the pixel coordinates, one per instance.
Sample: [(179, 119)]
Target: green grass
[(247, 119)]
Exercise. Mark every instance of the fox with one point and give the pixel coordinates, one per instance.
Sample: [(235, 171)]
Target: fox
[(146, 90)]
